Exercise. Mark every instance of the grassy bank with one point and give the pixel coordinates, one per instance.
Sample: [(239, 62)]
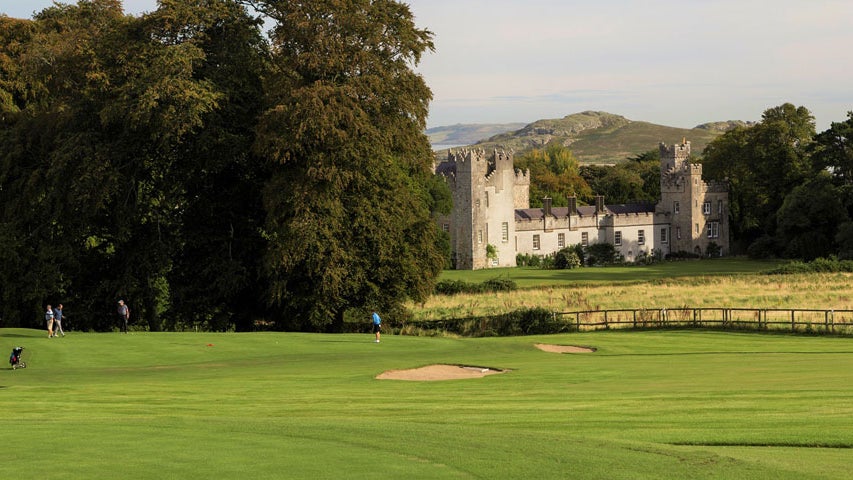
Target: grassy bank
[(668, 285)]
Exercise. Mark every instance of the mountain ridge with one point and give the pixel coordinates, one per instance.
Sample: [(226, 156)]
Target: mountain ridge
[(593, 136)]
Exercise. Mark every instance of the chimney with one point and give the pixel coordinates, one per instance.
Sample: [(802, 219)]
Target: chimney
[(546, 206), (573, 205), (599, 204)]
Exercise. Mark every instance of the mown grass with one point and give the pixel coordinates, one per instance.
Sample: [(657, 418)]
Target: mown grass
[(653, 404), (727, 283)]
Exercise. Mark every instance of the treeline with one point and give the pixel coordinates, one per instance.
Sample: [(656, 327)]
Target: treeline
[(210, 175), (790, 188), (556, 173)]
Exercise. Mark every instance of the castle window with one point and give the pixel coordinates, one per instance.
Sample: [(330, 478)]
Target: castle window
[(445, 227), (585, 239), (487, 199), (505, 232), (477, 203), (663, 238), (697, 229), (617, 238), (720, 207), (479, 236), (706, 208), (675, 207), (536, 244), (713, 229), (641, 237), (561, 240), (678, 233)]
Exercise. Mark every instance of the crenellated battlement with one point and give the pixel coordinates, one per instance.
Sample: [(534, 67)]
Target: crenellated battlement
[(676, 151)]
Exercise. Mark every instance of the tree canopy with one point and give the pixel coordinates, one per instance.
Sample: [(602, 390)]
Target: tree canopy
[(787, 184), (208, 174)]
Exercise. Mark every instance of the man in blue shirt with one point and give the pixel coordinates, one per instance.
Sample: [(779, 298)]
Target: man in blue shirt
[(57, 320), (377, 325)]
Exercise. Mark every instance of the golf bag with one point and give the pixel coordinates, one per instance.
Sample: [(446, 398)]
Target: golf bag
[(15, 358)]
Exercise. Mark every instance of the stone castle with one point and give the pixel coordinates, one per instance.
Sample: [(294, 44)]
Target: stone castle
[(491, 211)]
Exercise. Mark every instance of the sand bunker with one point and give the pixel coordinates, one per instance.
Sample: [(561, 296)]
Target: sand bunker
[(438, 372), (564, 348)]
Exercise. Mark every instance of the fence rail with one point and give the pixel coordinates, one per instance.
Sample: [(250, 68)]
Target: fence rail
[(792, 319), (541, 321)]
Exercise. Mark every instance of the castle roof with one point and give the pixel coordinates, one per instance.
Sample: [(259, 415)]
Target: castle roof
[(585, 210)]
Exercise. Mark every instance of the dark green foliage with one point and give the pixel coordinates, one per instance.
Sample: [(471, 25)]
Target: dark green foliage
[(764, 247), (454, 287), (844, 239), (809, 217), (527, 260), (762, 164), (348, 216), (566, 258), (713, 250), (602, 254), (818, 265), (526, 321), (682, 255), (147, 160)]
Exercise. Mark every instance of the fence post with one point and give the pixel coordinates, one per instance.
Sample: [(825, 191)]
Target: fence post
[(606, 327), (793, 322), (635, 319)]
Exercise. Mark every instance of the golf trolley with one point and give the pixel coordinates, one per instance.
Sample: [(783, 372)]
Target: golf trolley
[(15, 358)]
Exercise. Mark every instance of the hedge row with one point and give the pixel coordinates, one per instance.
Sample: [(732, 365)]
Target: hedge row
[(453, 287), (528, 321), (819, 265)]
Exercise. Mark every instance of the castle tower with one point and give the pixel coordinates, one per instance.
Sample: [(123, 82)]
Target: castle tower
[(486, 192), (698, 210)]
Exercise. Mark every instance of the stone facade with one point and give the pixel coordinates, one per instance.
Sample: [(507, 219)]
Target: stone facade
[(491, 202)]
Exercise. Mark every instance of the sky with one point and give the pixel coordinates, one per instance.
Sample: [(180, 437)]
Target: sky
[(672, 62)]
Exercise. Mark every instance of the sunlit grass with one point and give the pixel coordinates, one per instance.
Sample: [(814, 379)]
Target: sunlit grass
[(801, 291), (646, 405)]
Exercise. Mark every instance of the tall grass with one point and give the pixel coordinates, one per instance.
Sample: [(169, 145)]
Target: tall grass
[(819, 291)]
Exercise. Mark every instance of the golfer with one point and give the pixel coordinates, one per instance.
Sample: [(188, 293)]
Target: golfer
[(123, 314), (48, 317), (377, 325), (57, 320)]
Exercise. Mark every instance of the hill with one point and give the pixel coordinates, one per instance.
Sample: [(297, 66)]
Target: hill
[(601, 137)]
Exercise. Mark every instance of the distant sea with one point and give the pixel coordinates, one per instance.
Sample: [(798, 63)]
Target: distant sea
[(444, 146)]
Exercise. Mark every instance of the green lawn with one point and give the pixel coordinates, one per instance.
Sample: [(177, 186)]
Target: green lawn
[(533, 277), (652, 404)]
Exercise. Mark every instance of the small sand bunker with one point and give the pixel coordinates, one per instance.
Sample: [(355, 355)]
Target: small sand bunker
[(438, 372), (564, 348)]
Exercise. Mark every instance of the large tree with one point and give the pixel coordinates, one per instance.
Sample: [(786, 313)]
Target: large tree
[(762, 164), (347, 202), (107, 156)]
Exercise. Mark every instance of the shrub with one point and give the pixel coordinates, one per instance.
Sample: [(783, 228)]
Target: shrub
[(454, 287), (681, 254), (602, 254), (713, 250), (566, 258), (819, 265), (499, 285), (763, 248)]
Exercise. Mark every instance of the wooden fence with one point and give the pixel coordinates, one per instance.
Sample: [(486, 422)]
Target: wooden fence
[(789, 319), (542, 321)]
